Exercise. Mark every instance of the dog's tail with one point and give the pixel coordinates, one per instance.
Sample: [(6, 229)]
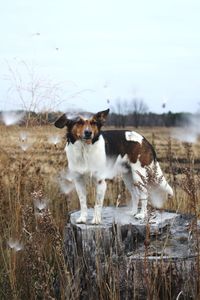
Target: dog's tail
[(164, 185), (162, 191)]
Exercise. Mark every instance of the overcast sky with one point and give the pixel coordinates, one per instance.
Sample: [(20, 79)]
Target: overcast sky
[(106, 49)]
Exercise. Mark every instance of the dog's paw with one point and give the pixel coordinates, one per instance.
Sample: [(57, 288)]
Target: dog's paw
[(97, 215), (96, 220), (81, 220), (132, 212), (140, 216)]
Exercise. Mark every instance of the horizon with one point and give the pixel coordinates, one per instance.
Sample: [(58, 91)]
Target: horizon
[(18, 111)]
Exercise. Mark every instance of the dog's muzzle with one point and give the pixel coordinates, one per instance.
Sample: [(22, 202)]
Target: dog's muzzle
[(87, 136)]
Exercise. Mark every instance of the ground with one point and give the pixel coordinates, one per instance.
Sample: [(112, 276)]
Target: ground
[(33, 164)]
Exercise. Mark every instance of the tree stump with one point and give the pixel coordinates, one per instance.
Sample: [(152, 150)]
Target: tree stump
[(131, 258)]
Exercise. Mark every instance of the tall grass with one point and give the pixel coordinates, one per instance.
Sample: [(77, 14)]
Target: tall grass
[(34, 212)]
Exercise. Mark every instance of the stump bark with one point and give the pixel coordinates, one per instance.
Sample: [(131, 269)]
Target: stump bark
[(133, 259)]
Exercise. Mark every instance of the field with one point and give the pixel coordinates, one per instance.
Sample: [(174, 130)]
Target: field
[(34, 208)]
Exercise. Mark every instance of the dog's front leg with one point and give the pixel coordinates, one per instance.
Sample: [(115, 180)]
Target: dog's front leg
[(81, 191), (100, 193)]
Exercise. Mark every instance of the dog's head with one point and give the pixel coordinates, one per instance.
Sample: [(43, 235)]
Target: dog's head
[(81, 128)]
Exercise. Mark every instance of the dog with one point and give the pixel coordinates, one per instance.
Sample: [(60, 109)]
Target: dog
[(90, 151)]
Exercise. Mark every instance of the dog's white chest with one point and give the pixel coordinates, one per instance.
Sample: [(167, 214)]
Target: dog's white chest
[(84, 158)]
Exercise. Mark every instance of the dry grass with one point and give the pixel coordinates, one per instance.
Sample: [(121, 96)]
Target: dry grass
[(38, 269)]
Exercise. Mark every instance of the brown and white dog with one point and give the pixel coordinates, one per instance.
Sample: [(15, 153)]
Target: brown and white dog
[(89, 151)]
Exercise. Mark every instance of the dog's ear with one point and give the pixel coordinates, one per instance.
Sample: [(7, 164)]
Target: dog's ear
[(62, 121), (101, 116)]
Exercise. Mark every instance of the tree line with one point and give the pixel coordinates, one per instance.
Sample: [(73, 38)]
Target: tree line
[(168, 119), (115, 119), (135, 113)]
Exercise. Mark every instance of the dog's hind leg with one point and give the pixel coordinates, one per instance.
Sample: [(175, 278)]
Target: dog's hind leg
[(139, 194), (128, 180), (140, 188), (80, 186), (100, 193)]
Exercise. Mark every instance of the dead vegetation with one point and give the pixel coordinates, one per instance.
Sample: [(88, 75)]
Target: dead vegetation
[(33, 213)]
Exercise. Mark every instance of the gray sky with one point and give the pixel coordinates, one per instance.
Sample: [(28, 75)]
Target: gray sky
[(108, 48)]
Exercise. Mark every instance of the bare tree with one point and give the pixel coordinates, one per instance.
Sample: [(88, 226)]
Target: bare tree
[(121, 110), (34, 93), (137, 108)]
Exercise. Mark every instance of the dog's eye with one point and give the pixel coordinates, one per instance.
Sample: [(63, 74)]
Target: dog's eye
[(80, 122), (93, 122)]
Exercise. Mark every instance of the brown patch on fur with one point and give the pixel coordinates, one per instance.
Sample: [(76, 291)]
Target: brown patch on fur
[(94, 126), (146, 156), (116, 144), (77, 131), (141, 152), (134, 151), (81, 125), (77, 128)]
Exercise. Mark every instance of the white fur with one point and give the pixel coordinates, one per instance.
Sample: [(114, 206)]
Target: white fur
[(140, 190), (86, 158), (90, 159), (83, 160), (137, 189), (133, 136)]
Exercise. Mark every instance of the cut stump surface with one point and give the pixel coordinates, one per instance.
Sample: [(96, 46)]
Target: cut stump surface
[(165, 244)]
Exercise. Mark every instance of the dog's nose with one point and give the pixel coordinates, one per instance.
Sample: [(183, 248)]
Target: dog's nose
[(87, 134)]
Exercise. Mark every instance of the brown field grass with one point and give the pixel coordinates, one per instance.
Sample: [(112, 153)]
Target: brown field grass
[(31, 175)]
